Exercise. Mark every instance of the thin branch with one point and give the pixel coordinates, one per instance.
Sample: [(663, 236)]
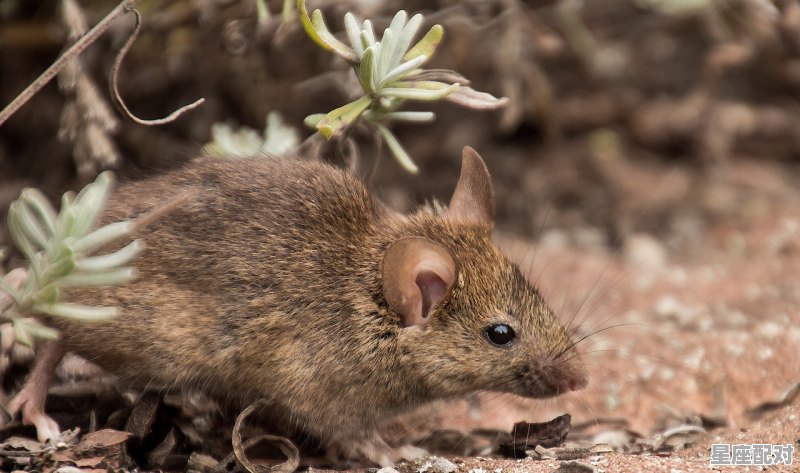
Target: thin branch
[(62, 60), (115, 90)]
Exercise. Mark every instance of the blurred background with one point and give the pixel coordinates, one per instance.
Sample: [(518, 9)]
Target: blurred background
[(645, 167)]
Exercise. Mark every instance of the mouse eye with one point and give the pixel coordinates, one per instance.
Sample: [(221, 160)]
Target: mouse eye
[(500, 334)]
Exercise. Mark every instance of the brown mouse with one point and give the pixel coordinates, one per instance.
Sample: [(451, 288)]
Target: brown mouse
[(285, 280)]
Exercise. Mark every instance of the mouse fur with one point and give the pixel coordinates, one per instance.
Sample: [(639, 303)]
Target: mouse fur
[(269, 285)]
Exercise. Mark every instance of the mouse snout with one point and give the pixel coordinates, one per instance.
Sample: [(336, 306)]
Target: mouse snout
[(553, 379), (573, 376)]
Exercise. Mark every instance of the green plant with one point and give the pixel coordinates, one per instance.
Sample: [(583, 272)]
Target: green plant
[(389, 71), (61, 252), (277, 138)]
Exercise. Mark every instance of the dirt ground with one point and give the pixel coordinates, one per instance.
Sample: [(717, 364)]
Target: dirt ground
[(646, 177)]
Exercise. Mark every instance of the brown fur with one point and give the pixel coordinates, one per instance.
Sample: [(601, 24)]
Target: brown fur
[(268, 285)]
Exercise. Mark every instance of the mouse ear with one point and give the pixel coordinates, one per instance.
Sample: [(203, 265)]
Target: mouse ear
[(417, 274), (473, 199)]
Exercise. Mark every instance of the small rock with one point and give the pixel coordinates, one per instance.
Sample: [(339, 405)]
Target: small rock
[(442, 465)]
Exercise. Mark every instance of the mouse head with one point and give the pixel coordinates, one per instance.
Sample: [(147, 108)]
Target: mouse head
[(472, 319)]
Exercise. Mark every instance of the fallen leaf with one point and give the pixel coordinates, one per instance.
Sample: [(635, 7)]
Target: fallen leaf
[(526, 435), (143, 415), (90, 462), (103, 438), (22, 443)]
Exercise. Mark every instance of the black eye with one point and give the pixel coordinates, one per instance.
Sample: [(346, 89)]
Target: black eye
[(500, 334)]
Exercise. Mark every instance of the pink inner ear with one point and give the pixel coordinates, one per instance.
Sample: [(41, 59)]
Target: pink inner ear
[(417, 274), (432, 288)]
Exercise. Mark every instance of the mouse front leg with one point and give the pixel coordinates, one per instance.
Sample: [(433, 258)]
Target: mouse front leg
[(374, 449), (31, 399)]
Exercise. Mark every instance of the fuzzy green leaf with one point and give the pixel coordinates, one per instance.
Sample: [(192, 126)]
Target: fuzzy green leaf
[(424, 90), (77, 311), (102, 236), (342, 116), (471, 98), (397, 149), (17, 234), (400, 71), (112, 277), (318, 31), (40, 205), (25, 328), (119, 258), (353, 33), (419, 117), (312, 120), (427, 45)]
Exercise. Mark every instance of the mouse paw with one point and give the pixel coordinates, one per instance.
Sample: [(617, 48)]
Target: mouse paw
[(33, 414), (30, 400)]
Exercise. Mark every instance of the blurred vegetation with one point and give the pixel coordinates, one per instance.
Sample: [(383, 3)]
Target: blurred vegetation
[(623, 115)]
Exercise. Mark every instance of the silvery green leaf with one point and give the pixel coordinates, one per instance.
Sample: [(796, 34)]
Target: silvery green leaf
[(406, 36), (311, 121), (407, 91), (89, 202), (34, 271), (427, 45), (66, 216), (227, 140), (439, 75), (17, 234), (318, 31), (401, 70), (77, 311), (365, 70), (353, 33), (420, 117), (397, 149), (22, 335), (278, 136), (118, 258), (471, 98), (111, 277), (30, 328), (100, 237), (262, 11), (47, 295), (287, 12), (40, 205), (385, 54), (398, 22), (60, 264), (367, 34), (342, 116), (29, 225)]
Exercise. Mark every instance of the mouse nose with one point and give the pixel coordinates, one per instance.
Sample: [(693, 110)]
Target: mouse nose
[(569, 376)]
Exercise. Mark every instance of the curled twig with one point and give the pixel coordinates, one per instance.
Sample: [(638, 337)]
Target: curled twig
[(115, 89), (63, 60), (239, 447), (77, 48)]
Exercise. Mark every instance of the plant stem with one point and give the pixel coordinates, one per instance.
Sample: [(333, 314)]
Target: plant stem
[(77, 48)]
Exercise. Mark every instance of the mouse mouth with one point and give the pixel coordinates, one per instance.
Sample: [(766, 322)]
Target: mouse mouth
[(545, 382)]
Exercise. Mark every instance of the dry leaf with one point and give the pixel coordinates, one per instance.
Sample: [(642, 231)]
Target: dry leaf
[(526, 436)]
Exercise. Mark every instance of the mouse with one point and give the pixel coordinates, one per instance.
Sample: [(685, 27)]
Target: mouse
[(287, 281)]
